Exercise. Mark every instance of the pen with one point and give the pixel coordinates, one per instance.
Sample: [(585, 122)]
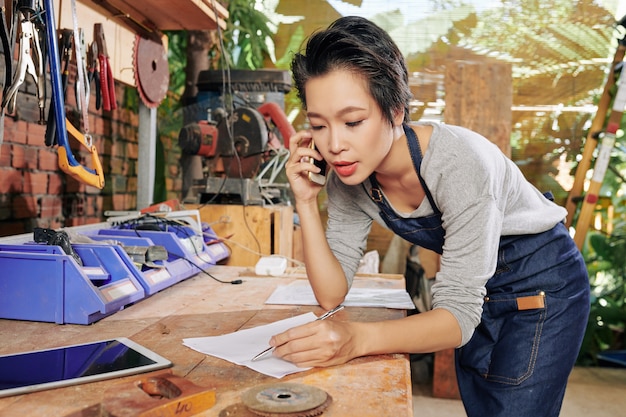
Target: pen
[(322, 317)]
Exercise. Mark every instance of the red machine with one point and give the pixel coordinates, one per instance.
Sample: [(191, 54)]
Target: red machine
[(237, 146)]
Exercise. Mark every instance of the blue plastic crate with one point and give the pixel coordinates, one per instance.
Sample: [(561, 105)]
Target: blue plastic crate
[(42, 283), (616, 357)]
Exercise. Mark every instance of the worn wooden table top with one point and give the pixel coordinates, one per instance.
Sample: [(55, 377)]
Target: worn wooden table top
[(200, 306)]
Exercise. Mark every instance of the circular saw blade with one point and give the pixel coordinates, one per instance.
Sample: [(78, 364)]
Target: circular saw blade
[(151, 69), (286, 399)]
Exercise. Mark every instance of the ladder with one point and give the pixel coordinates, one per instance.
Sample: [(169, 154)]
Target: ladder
[(607, 141)]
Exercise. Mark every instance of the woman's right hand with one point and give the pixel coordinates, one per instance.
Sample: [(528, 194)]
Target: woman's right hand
[(298, 167)]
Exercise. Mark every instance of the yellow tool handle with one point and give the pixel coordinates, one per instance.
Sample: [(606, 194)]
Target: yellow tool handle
[(79, 172)]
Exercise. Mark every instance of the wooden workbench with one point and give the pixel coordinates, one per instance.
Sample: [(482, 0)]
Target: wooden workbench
[(199, 306)]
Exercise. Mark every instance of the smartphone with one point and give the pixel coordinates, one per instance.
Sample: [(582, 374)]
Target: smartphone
[(321, 177)]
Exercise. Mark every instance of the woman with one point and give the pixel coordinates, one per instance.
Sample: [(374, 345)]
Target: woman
[(512, 293)]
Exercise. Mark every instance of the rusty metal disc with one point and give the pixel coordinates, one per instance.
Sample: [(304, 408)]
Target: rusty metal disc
[(152, 74), (286, 399)]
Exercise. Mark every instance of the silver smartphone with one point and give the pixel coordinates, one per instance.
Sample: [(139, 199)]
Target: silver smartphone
[(315, 177)]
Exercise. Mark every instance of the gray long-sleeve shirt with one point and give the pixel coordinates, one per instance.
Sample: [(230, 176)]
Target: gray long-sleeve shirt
[(482, 196)]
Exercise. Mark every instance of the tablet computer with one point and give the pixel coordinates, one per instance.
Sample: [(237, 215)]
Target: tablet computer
[(38, 370)]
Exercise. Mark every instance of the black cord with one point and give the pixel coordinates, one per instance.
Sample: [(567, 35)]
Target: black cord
[(234, 281)]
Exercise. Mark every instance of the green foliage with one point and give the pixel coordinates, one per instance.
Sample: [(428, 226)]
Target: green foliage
[(247, 35), (606, 264), (605, 255)]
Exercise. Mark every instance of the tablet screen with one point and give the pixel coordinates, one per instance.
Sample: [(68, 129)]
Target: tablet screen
[(68, 365)]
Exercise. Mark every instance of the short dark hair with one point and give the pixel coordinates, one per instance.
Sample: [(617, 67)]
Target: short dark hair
[(356, 44)]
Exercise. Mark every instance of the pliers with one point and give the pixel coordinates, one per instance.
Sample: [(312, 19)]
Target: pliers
[(29, 38), (93, 75), (107, 83)]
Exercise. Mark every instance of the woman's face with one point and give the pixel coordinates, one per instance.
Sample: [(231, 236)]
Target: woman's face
[(348, 128)]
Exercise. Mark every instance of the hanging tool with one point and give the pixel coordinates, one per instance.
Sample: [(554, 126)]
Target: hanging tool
[(66, 41), (81, 86), (602, 160), (93, 75), (107, 83), (92, 176), (7, 36), (596, 126), (30, 61)]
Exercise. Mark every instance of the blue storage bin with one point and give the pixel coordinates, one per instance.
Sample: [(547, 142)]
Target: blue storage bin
[(42, 283)]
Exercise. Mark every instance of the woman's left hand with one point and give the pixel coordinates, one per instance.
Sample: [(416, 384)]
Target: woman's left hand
[(317, 344)]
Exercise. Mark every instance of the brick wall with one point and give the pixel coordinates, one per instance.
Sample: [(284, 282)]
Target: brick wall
[(34, 192)]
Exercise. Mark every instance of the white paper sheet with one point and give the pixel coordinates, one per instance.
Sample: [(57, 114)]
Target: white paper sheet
[(301, 293), (240, 347)]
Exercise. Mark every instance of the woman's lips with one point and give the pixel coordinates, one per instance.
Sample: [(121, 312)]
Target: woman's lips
[(345, 168)]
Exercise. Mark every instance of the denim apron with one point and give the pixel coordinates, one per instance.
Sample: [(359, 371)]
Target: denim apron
[(533, 320)]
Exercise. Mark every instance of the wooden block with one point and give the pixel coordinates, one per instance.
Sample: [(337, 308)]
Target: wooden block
[(444, 375), (251, 231)]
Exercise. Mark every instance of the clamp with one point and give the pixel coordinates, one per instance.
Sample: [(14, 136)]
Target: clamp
[(29, 38), (93, 75)]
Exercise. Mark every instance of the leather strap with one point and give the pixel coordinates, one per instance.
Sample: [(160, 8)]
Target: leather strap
[(531, 302)]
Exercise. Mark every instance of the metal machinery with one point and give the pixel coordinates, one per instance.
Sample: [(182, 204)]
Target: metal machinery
[(242, 132)]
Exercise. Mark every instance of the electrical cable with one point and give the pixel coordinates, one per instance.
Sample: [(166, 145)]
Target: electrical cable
[(180, 227), (234, 281)]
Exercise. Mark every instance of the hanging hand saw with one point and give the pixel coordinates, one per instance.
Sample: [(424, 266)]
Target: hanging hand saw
[(92, 176), (602, 160)]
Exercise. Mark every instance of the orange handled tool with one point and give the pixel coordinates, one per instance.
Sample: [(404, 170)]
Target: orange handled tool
[(107, 84), (67, 162)]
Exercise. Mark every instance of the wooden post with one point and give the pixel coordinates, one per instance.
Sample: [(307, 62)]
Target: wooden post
[(479, 96)]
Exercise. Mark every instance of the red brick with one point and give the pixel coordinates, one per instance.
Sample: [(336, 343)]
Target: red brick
[(10, 181), (36, 134), (99, 205), (130, 202), (9, 124), (118, 150), (73, 186), (92, 220), (55, 184), (118, 202), (134, 119), (74, 221), (131, 185), (18, 132), (132, 151), (35, 183), (24, 157), (5, 155), (24, 207), (12, 228), (98, 126), (5, 207), (50, 207), (48, 159)]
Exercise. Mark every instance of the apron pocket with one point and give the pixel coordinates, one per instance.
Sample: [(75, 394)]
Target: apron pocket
[(505, 345)]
